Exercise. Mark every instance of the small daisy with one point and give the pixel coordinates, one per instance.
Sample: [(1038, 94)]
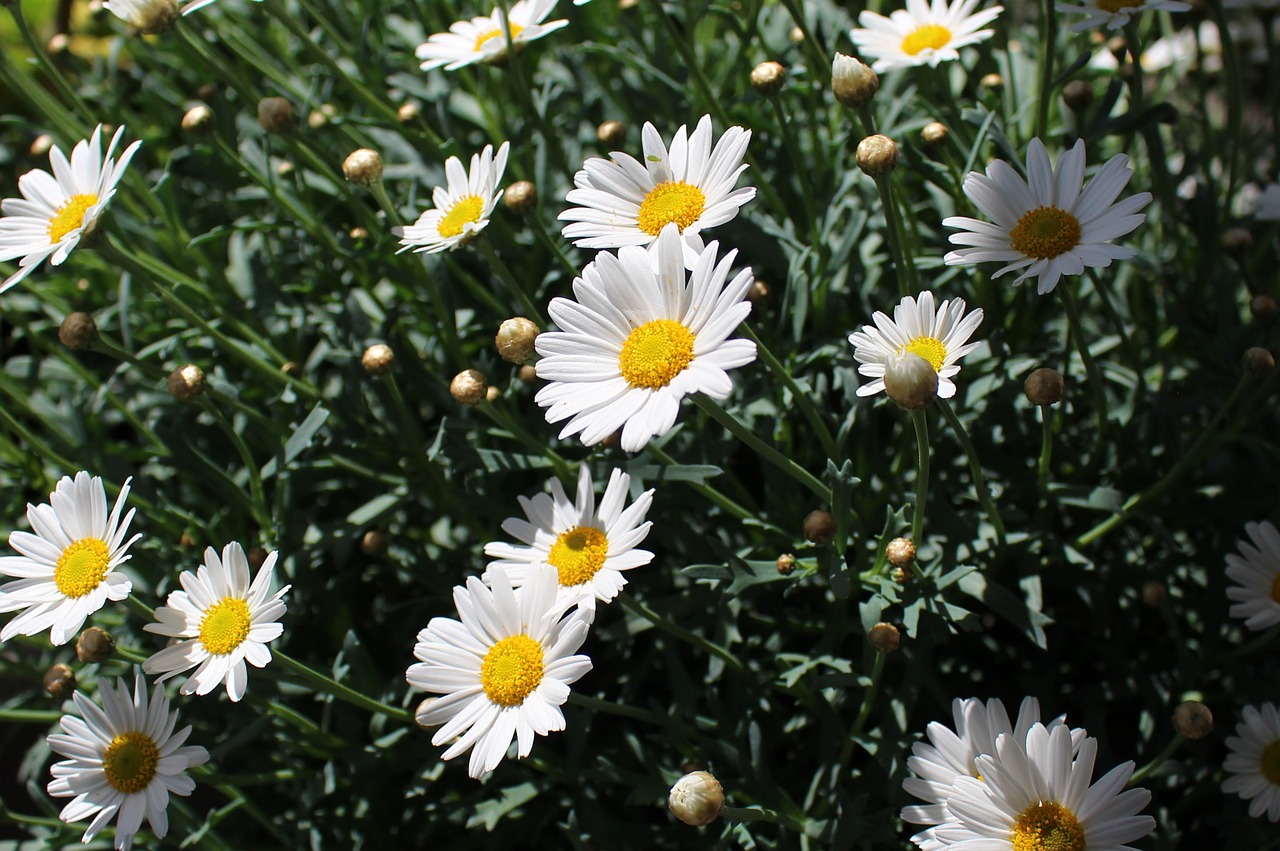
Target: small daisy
[(1254, 761), (124, 759), (1115, 13), (224, 620), (148, 17), (1046, 225), (1038, 796), (588, 548), (639, 337), (67, 569), (57, 210), (504, 669), (624, 202), (483, 40), (922, 34), (939, 336), (462, 210), (1256, 572)]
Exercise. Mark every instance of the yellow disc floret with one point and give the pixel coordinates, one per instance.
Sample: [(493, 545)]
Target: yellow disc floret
[(225, 626), (130, 761), (1270, 763), (672, 201), (578, 554), (655, 353), (929, 348), (928, 37), (466, 210), (492, 34), (1047, 826), (1045, 232), (511, 670), (81, 567), (71, 216)]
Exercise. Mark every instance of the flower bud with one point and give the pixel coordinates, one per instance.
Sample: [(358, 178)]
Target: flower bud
[(373, 543), (198, 119), (207, 92), (186, 540), (95, 645), (60, 681), (901, 553), (40, 145), (275, 115), (877, 155), (521, 197), (992, 83), (377, 359), (611, 134), (1262, 307), (819, 526), (1192, 720), (363, 167), (515, 339), (1258, 361), (758, 292), (1236, 240), (910, 380), (1044, 386), (767, 78), (285, 169), (78, 331), (853, 83), (900, 575), (786, 564), (934, 134), (257, 557), (186, 382), (291, 368), (1154, 593), (358, 234), (697, 798), (527, 373), (57, 44), (148, 17), (1078, 95), (408, 113), (885, 638), (796, 35), (468, 387)]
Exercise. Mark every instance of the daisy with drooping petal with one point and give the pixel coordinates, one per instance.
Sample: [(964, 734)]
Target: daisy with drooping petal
[(483, 39), (1115, 13), (124, 760), (504, 669), (1254, 761), (67, 568), (691, 185), (1256, 572), (57, 210), (1046, 225), (463, 209), (939, 336), (922, 34), (639, 337), (589, 548), (224, 620), (1038, 796)]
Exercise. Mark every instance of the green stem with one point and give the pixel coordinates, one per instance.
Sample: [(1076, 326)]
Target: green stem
[(869, 696), (809, 44), (1048, 45), (764, 450), (745, 814), (258, 499), (1046, 446), (503, 417), (505, 274), (1146, 770), (30, 716), (922, 476), (44, 62), (622, 710), (706, 491), (975, 470), (336, 689), (802, 397), (1082, 346), (631, 604)]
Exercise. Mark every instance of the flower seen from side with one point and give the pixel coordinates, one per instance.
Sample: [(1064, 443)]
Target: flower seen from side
[(484, 39), (148, 17), (1254, 761), (924, 33), (1256, 574), (938, 335), (1114, 14), (463, 208)]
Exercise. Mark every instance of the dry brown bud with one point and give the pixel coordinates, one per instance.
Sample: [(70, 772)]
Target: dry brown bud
[(877, 155), (60, 681), (468, 387), (786, 564), (377, 359), (885, 638), (95, 645), (186, 540), (1078, 95), (1262, 307), (901, 552), (1192, 720), (1236, 240), (275, 115), (819, 526), (1044, 386), (78, 331), (1154, 593), (373, 543), (257, 557), (1258, 361), (186, 382)]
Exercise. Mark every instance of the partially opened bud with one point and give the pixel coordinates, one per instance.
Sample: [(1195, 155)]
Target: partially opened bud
[(910, 380), (853, 83), (697, 798)]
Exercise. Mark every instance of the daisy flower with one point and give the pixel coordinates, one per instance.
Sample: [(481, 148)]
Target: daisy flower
[(1038, 796), (504, 669), (925, 33), (57, 210), (123, 759), (1256, 572), (589, 548), (67, 569), (1254, 761), (223, 621), (623, 202), (483, 40), (1047, 226), (639, 337), (1115, 13), (939, 336), (462, 210), (148, 17)]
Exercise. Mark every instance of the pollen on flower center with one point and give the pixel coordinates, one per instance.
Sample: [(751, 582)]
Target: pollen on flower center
[(225, 626), (466, 210), (578, 554), (511, 670), (492, 34), (1047, 826), (71, 216), (672, 201), (130, 762), (1114, 6), (1270, 763), (81, 567), (655, 353), (929, 348), (927, 37), (1045, 233)]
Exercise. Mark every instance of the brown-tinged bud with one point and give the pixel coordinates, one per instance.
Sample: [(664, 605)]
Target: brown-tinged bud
[(899, 575), (697, 798), (321, 116), (758, 292), (198, 119), (257, 557), (291, 368), (786, 564), (285, 169), (611, 134), (1258, 361), (1154, 593), (992, 83), (60, 681), (358, 234), (95, 645), (819, 526), (1262, 307), (1236, 240), (934, 134), (373, 543), (207, 92), (408, 112), (796, 35), (363, 167), (275, 115), (901, 553), (853, 83), (885, 638), (492, 394), (186, 540), (468, 387), (40, 145), (911, 381), (527, 373), (1192, 720), (57, 44), (377, 359), (186, 382), (767, 78), (1078, 95), (877, 155), (78, 331), (515, 339), (521, 197), (1044, 386)]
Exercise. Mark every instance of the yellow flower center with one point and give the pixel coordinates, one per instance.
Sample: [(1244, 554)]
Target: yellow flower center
[(1114, 6), (655, 353), (672, 201), (511, 670), (1045, 232), (928, 37), (81, 567), (1047, 826), (929, 348), (71, 216), (1271, 763), (130, 761), (225, 626), (466, 210), (1275, 588), (578, 554), (492, 34)]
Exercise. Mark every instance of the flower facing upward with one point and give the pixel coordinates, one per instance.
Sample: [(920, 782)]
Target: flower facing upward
[(1254, 761), (939, 336), (589, 548), (925, 33), (1046, 225), (57, 210), (639, 337), (484, 40), (504, 669), (124, 760), (1115, 13), (67, 569), (1256, 572), (222, 621), (463, 209)]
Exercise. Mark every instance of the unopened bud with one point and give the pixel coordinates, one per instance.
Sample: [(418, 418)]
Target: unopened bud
[(901, 553), (796, 35), (758, 292), (934, 134), (992, 83), (468, 387), (492, 394), (78, 331), (57, 44), (786, 564), (95, 645), (1258, 361), (885, 638), (198, 119), (285, 169), (377, 359), (358, 234), (527, 373), (1154, 593), (697, 798), (1192, 720), (408, 113), (275, 115), (186, 382), (910, 380), (611, 134), (186, 540), (1078, 95), (853, 83), (363, 167), (60, 681), (1262, 307), (291, 368), (373, 543), (320, 117), (819, 526), (1044, 386), (877, 155), (900, 575), (257, 557), (40, 145), (521, 197), (515, 339), (767, 78), (1236, 240)]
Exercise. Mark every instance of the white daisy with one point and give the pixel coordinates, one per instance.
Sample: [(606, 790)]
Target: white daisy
[(1267, 207), (67, 569), (463, 209), (939, 336), (123, 759), (1115, 13), (623, 202), (925, 33), (1046, 226), (639, 337), (148, 17), (1256, 572), (588, 548), (483, 40), (1038, 796), (224, 620), (1254, 761), (57, 210), (504, 669)]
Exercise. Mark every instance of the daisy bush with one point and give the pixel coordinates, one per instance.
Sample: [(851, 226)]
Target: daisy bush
[(639, 424)]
